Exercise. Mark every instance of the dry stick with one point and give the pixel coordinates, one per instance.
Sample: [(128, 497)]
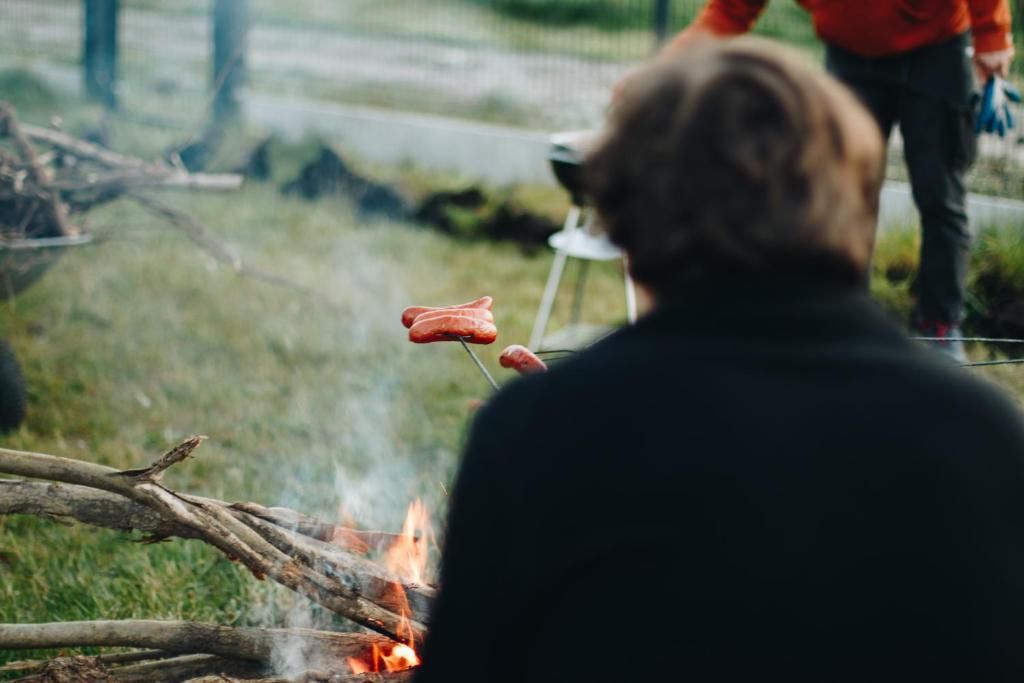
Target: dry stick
[(216, 525), (166, 178), (193, 230), (70, 502), (33, 665), (320, 677), (67, 502), (376, 584), (106, 510), (358, 541), (206, 241), (169, 459), (87, 150), (320, 648), (9, 124), (188, 667), (99, 508)]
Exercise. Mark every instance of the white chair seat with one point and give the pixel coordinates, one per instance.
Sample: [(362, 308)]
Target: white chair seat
[(582, 244)]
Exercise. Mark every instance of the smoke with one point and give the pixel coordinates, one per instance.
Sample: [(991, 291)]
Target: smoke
[(351, 461)]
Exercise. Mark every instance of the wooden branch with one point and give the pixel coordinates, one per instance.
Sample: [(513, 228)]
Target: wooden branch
[(168, 178), (102, 509), (189, 667), (36, 173), (70, 502), (320, 677), (321, 649), (122, 668), (374, 582), (86, 150), (167, 460), (356, 540), (338, 588), (221, 251), (35, 665), (193, 229)]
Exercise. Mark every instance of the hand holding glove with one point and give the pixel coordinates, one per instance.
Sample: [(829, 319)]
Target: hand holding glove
[(995, 114)]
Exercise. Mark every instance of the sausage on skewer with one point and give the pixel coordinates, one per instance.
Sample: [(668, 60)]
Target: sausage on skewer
[(453, 327), (522, 360), (410, 314), (478, 313)]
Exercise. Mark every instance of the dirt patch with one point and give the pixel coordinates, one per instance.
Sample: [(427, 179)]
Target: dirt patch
[(328, 174), (469, 213), (472, 213)]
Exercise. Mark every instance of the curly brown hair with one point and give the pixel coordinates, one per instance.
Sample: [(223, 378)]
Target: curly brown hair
[(738, 156)]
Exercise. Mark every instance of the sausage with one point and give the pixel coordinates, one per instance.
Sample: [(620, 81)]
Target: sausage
[(452, 327), (410, 314), (522, 360), (479, 313)]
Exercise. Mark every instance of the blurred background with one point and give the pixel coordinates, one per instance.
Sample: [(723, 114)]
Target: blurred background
[(394, 152)]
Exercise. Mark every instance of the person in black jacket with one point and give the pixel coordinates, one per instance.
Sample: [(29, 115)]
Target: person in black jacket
[(761, 479)]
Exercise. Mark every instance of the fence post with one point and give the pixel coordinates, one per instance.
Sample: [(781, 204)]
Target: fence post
[(230, 28), (99, 57), (661, 20)]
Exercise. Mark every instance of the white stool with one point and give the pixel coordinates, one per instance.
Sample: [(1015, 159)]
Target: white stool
[(577, 239)]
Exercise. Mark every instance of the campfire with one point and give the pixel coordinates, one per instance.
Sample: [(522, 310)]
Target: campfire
[(328, 563)]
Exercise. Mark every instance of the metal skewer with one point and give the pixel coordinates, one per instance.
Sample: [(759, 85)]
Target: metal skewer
[(980, 363), (476, 360)]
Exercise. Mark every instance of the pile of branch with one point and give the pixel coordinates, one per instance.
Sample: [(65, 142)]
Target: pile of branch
[(42, 194), (320, 561)]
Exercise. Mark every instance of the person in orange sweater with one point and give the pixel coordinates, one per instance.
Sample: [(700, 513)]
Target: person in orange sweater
[(916, 63)]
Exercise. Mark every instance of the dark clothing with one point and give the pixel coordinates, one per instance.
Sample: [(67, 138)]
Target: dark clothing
[(929, 93), (767, 481)]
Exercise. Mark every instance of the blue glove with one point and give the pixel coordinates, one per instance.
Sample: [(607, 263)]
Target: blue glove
[(995, 114)]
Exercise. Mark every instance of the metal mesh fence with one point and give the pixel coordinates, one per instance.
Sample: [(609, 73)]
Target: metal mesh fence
[(544, 64)]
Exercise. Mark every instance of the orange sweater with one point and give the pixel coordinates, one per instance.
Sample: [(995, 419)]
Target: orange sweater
[(874, 28)]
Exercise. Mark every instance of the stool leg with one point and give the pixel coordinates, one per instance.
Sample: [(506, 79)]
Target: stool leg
[(630, 294), (547, 302), (577, 297)]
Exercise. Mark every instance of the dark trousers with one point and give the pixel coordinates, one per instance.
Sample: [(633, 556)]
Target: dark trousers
[(929, 93)]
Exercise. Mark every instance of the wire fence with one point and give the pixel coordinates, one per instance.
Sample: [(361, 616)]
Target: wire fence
[(543, 64)]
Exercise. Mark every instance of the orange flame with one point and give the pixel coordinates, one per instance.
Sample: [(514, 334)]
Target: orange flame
[(409, 555), (408, 558)]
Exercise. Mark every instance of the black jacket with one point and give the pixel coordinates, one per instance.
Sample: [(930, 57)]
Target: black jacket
[(768, 483)]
